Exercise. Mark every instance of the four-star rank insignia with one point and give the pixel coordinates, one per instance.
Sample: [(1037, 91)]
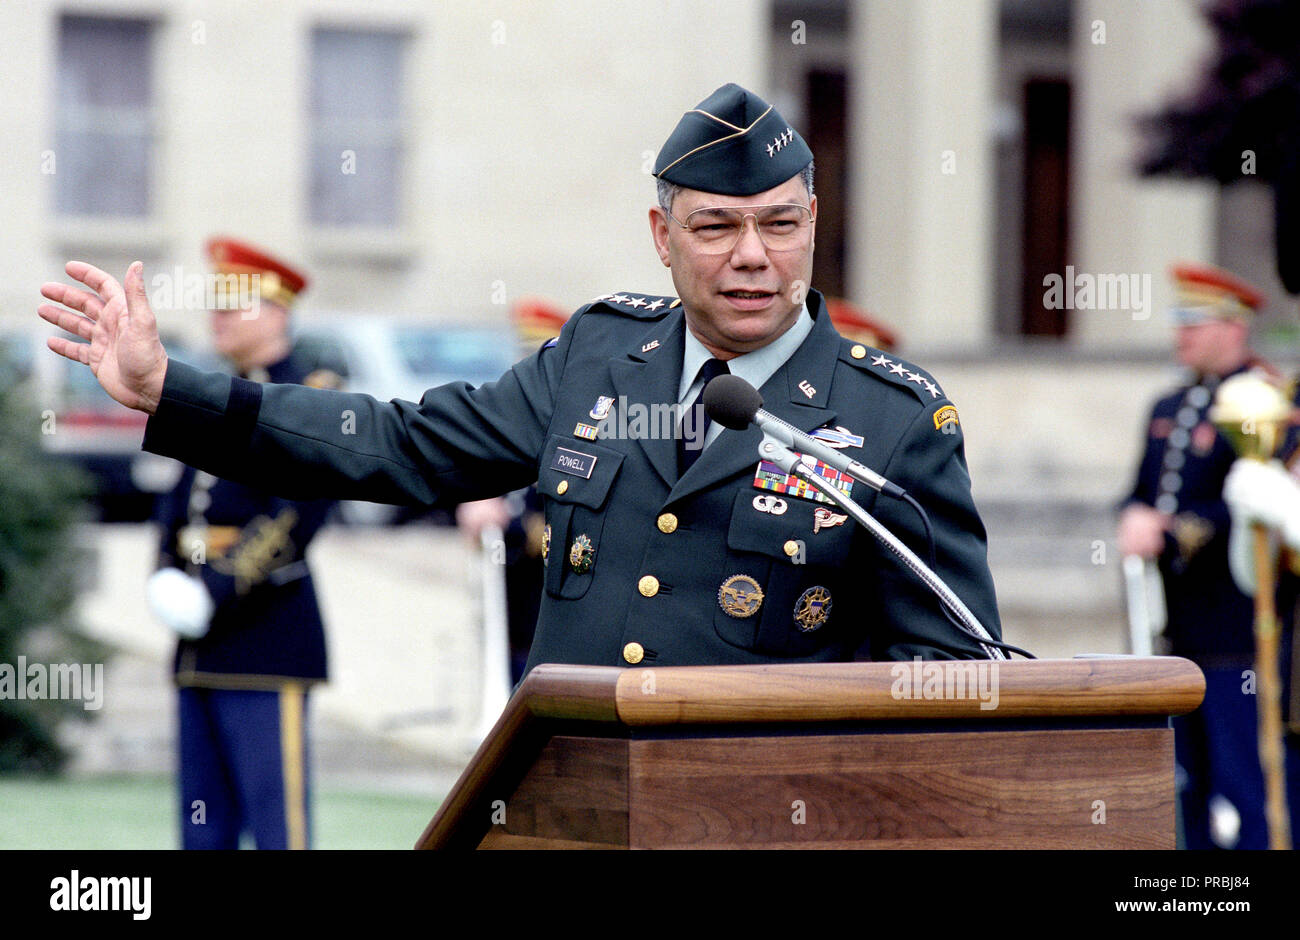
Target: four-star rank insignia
[(581, 554), (813, 608), (740, 596)]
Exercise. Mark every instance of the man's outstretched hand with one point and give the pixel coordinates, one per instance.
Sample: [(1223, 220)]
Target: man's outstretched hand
[(124, 351)]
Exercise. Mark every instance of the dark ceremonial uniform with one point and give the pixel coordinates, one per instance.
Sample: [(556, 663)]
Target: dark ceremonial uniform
[(728, 564), (1183, 467), (1209, 620), (243, 685), (1288, 614)]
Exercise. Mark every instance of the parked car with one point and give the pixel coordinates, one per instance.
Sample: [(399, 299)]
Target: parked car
[(81, 424), (391, 357)]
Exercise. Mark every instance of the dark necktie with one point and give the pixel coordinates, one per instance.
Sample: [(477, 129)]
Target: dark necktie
[(694, 419)]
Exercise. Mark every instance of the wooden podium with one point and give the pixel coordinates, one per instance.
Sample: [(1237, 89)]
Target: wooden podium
[(1074, 753)]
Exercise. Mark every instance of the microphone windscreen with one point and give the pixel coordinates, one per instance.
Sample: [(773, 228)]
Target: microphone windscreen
[(732, 402)]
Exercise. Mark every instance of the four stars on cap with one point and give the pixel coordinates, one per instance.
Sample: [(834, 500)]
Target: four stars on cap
[(779, 141)]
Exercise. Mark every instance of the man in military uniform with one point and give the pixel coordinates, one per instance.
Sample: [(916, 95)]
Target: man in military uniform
[(234, 584), (667, 542), (1269, 493), (1176, 514)]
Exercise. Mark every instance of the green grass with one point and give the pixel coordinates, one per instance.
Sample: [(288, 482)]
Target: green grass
[(140, 812)]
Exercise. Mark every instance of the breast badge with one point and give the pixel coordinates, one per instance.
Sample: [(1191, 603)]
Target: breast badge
[(838, 437), (823, 518), (770, 504), (813, 608), (740, 596), (581, 554)]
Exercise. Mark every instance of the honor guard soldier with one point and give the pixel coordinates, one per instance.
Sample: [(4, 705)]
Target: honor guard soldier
[(234, 583), (666, 540), (1176, 514), (1269, 493), (858, 326)]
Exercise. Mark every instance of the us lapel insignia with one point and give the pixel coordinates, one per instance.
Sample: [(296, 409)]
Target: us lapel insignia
[(653, 344)]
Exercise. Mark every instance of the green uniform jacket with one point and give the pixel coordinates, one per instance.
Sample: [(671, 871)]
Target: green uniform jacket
[(659, 549)]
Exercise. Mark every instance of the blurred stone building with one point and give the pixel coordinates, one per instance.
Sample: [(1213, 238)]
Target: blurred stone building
[(439, 160)]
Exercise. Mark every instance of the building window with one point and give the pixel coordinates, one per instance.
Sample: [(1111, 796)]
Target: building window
[(356, 127), (105, 121)]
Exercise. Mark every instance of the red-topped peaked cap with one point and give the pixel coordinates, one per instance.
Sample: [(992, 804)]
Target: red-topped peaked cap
[(277, 281), (536, 319), (1203, 291), (854, 323)]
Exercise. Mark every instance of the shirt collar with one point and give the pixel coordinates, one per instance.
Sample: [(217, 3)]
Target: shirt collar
[(754, 367)]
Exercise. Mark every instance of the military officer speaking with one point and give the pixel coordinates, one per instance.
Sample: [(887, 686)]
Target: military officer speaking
[(235, 586), (667, 542)]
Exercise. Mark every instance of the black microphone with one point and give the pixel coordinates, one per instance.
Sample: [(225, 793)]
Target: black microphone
[(734, 403)]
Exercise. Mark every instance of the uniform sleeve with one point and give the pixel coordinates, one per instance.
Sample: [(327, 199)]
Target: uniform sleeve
[(458, 443), (931, 466)]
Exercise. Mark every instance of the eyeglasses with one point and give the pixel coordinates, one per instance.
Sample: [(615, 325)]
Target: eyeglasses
[(715, 230)]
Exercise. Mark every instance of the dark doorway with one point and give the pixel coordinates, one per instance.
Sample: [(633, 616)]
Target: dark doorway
[(1047, 191), (826, 107)]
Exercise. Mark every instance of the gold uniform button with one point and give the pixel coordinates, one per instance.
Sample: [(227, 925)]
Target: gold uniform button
[(648, 586), (858, 352), (634, 653), (791, 548), (667, 523), (562, 487)]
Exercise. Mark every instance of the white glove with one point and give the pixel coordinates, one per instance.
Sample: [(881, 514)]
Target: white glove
[(180, 601), (1264, 493)]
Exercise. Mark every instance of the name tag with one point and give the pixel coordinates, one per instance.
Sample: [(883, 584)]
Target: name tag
[(571, 461)]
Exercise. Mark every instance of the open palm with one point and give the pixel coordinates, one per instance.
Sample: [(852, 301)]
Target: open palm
[(124, 351)]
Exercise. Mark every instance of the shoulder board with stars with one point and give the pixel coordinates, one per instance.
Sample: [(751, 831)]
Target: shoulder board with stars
[(892, 369), (642, 306)]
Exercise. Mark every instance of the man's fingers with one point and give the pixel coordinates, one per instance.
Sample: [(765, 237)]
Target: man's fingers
[(72, 297), (101, 282), (137, 301), (66, 320), (77, 352)]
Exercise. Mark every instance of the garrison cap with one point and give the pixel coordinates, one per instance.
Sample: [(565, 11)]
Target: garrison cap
[(734, 143)]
